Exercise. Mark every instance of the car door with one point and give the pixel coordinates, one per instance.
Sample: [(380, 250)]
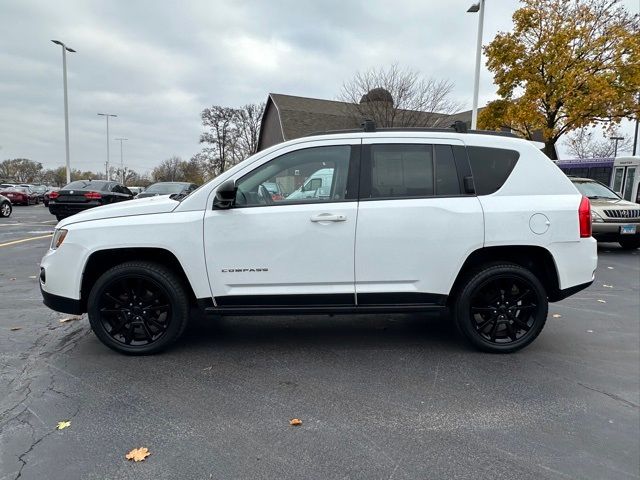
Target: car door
[(283, 252), (416, 221)]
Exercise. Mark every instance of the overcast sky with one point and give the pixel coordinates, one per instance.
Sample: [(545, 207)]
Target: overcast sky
[(158, 64)]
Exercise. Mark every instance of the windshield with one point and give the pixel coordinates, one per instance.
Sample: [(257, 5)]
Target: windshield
[(165, 188), (87, 184), (595, 190)]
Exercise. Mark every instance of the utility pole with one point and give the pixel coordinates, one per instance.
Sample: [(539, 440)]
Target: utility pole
[(107, 115), (121, 159), (477, 8), (65, 49)]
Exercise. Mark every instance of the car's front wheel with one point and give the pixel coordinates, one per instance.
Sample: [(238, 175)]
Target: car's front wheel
[(138, 308), (5, 209), (501, 308)]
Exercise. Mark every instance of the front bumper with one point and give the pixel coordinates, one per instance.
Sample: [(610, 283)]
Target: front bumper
[(610, 231), (61, 304)]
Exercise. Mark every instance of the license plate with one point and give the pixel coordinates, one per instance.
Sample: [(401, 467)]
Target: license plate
[(628, 230)]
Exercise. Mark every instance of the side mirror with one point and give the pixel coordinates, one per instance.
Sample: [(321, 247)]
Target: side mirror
[(469, 187), (225, 195)]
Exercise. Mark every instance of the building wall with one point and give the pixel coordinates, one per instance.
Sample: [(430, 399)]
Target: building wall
[(270, 131)]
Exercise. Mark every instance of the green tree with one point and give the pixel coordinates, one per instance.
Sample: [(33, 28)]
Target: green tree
[(566, 65)]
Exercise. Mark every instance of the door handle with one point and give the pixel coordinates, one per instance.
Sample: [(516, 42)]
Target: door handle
[(328, 217)]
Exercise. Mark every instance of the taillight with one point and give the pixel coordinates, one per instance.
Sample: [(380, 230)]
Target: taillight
[(53, 195), (584, 217), (92, 195)]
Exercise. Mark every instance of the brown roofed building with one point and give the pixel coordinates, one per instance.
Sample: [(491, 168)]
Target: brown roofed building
[(286, 116)]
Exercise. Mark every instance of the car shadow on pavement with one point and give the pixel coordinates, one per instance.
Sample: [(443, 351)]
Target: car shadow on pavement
[(322, 331)]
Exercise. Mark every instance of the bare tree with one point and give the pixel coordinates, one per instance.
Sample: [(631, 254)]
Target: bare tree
[(248, 123), (231, 135), (168, 170), (222, 135), (582, 144), (394, 96)]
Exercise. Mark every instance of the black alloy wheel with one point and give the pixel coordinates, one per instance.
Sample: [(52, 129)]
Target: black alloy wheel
[(5, 209), (138, 308), (502, 308)]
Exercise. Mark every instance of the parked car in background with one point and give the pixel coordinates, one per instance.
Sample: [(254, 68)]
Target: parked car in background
[(84, 194), (136, 190), (614, 219), (21, 195), (168, 188), (45, 198), (5, 206), (40, 190)]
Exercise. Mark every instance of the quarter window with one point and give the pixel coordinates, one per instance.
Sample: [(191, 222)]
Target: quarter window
[(310, 175), (491, 167), (446, 174)]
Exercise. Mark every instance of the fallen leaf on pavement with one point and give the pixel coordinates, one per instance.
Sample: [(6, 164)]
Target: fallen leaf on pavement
[(207, 368), (69, 319), (607, 286), (138, 454), (602, 301), (296, 422), (589, 331), (63, 425), (610, 268), (12, 279), (556, 315), (13, 329)]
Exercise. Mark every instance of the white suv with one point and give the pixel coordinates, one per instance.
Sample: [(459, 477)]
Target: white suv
[(414, 221)]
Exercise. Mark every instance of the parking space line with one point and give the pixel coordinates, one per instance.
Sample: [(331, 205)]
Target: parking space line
[(14, 242)]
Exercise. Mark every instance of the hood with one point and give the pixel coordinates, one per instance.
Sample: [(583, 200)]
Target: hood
[(612, 203), (144, 206)]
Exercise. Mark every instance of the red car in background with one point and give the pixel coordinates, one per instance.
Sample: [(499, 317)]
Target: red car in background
[(21, 195)]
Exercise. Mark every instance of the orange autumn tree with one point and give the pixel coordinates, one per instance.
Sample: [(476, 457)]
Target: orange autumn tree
[(566, 64)]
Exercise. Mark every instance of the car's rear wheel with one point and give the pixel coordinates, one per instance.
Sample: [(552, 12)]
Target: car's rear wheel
[(138, 308), (501, 308), (630, 243), (5, 209)]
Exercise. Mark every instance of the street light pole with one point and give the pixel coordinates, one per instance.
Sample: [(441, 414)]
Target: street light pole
[(107, 115), (121, 159), (477, 7), (65, 49), (615, 145)]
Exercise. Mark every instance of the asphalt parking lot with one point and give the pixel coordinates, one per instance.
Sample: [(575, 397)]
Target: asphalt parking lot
[(381, 396)]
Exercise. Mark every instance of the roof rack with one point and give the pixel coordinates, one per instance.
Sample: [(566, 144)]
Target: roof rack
[(369, 126)]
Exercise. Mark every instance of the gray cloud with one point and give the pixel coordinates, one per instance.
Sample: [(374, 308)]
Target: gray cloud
[(157, 64)]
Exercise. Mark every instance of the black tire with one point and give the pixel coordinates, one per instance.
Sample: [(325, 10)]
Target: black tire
[(5, 209), (630, 243), (131, 328), (498, 325)]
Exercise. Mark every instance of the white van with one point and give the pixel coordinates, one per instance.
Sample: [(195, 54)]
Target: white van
[(318, 185), (626, 178)]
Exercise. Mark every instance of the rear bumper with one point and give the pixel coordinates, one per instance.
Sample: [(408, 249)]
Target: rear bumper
[(567, 292), (70, 208), (61, 304)]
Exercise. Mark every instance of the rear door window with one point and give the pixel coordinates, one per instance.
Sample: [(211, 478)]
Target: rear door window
[(491, 167)]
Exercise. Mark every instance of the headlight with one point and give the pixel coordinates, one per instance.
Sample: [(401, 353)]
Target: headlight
[(595, 217), (58, 237)]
